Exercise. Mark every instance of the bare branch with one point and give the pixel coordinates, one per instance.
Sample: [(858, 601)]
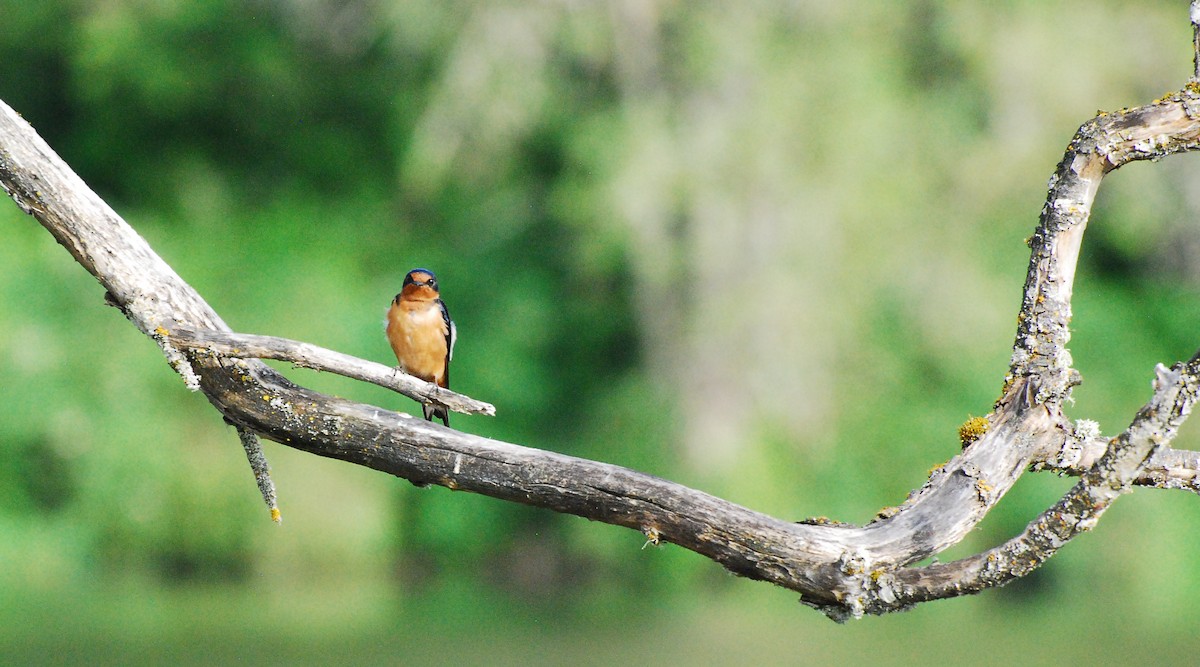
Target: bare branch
[(1101, 145), (307, 355), (1194, 14), (834, 567), (830, 565), (1156, 423), (843, 570), (261, 470), (1167, 468)]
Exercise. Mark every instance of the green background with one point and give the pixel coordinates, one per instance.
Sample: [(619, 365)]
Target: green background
[(773, 251)]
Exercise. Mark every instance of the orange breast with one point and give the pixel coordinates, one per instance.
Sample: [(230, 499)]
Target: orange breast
[(417, 334)]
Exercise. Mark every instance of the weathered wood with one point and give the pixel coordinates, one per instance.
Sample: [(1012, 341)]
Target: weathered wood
[(307, 355), (843, 570), (1176, 392)]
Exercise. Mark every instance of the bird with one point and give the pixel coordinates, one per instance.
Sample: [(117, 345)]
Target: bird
[(422, 334)]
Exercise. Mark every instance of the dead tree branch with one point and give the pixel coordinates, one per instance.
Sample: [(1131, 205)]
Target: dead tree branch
[(307, 355), (843, 570)]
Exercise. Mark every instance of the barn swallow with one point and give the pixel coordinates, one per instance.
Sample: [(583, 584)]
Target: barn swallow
[(422, 335)]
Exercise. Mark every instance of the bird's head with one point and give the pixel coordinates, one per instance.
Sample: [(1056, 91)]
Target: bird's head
[(419, 284)]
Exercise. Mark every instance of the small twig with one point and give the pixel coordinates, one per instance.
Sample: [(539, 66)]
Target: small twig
[(261, 470), (1168, 468), (176, 359), (307, 355)]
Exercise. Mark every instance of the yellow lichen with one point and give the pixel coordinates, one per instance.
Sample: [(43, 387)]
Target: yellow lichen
[(972, 429), (888, 512), (652, 536), (821, 521)]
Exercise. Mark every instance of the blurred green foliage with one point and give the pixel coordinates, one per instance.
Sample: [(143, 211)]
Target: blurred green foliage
[(774, 254)]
